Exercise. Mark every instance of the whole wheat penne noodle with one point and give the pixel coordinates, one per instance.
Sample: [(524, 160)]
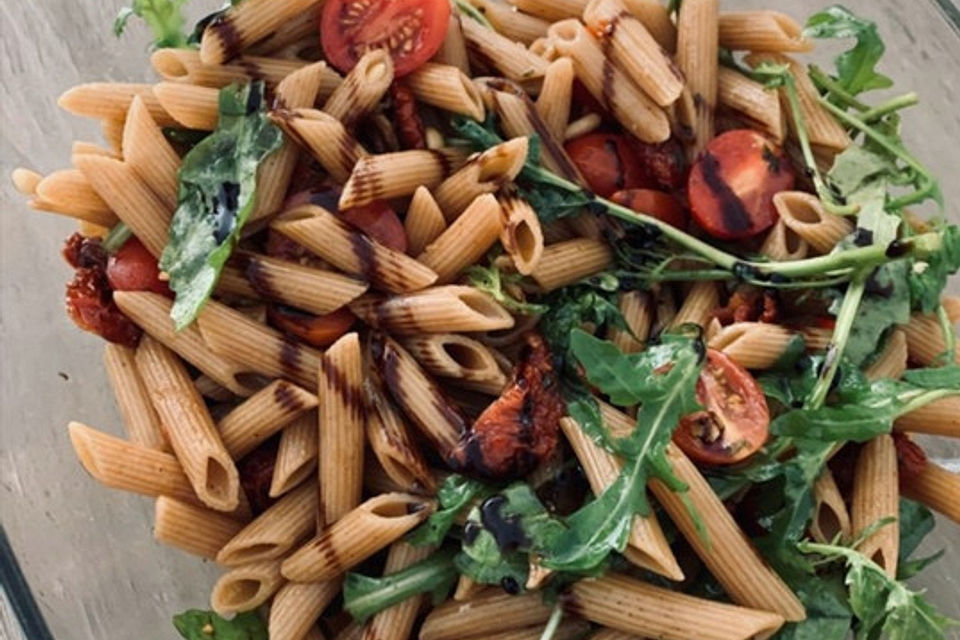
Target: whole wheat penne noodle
[(296, 454), (451, 355), (79, 148), (466, 240), (567, 630), (258, 347), (453, 51), (450, 308), (544, 48), (698, 305), (614, 634), (69, 193), (551, 10), (396, 622), (141, 421), (637, 313), (925, 343), (750, 102), (891, 362), (568, 262), (362, 88), (90, 229), (190, 106), (816, 338), (467, 589), (582, 126), (831, 520), (356, 536), (318, 291), (184, 65), (244, 24), (352, 251), (935, 487), (806, 216), (655, 16), (190, 528), (424, 221), (761, 31), (487, 614), (296, 607), (665, 307), (112, 130), (634, 49), (515, 25), (938, 418), (377, 481), (127, 195), (190, 429), (636, 607), (295, 29), (753, 345), (483, 173), (341, 428), (245, 588), (391, 175), (325, 137), (697, 51), (263, 414), (875, 496), (509, 57), (25, 180), (111, 100), (556, 96), (782, 243), (151, 312), (446, 87), (149, 153), (522, 236)]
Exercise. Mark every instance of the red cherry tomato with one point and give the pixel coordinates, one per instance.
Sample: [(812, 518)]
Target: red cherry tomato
[(318, 331), (731, 187), (379, 221), (412, 30), (133, 268), (735, 421), (608, 162), (658, 204)]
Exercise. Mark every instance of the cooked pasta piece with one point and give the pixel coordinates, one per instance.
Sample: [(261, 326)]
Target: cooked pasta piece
[(568, 629), (515, 25), (184, 65), (201, 532), (938, 418), (148, 152), (25, 181), (925, 343), (356, 536), (761, 31), (263, 414), (698, 305), (582, 126), (697, 51), (244, 24), (568, 262), (80, 148), (466, 240), (487, 614), (816, 338), (483, 173), (245, 588), (876, 496), (556, 96), (192, 107), (141, 421), (831, 520), (325, 137), (296, 454), (396, 622), (391, 175), (613, 634), (655, 16), (544, 48), (424, 222), (111, 101), (805, 215), (891, 362), (436, 310), (753, 345), (297, 606), (509, 57), (522, 236), (69, 193), (467, 588), (362, 88), (453, 51), (935, 487), (551, 10), (292, 31), (637, 314), (450, 355), (750, 102), (112, 131), (782, 243), (446, 87)]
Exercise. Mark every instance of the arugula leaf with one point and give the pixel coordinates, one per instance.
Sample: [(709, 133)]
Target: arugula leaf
[(941, 378), (491, 281), (164, 17), (570, 308), (856, 68), (218, 180), (915, 521), (828, 614), (207, 625), (364, 596), (928, 277), (453, 496)]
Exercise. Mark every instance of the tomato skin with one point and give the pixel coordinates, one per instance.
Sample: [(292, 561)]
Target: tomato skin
[(735, 419), (317, 331), (658, 204), (133, 268), (379, 221), (608, 162), (731, 187), (348, 28)]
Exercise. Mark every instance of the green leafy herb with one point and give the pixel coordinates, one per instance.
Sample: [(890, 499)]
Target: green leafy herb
[(164, 17), (207, 625), (491, 281), (364, 596), (942, 378), (915, 521), (856, 68), (454, 495), (117, 237), (828, 614), (571, 308), (928, 277), (218, 181)]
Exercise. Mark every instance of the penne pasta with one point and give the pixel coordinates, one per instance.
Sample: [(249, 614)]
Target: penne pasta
[(509, 57), (551, 10), (522, 236), (25, 181), (261, 415), (582, 126), (761, 31), (396, 622), (876, 496), (753, 345), (190, 528), (424, 221), (831, 520), (515, 25), (69, 193), (323, 136), (698, 305), (246, 588), (925, 343), (453, 51), (556, 96), (392, 175), (613, 634), (244, 24), (303, 25), (567, 630), (805, 215), (296, 454), (362, 88), (466, 240), (482, 173), (185, 65), (891, 362), (938, 418), (111, 101), (296, 607), (567, 262), (467, 589), (133, 400), (935, 487), (192, 107), (782, 244), (148, 152), (487, 614), (450, 355), (751, 103), (444, 309), (446, 87), (655, 16), (697, 51), (637, 314)]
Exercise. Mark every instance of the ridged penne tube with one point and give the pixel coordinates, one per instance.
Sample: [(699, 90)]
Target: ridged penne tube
[(935, 487), (467, 588), (816, 338), (556, 96), (148, 152), (551, 10), (782, 244), (891, 362), (79, 148), (571, 261), (805, 215), (192, 107), (543, 47), (637, 313), (925, 343), (296, 607), (753, 345), (483, 173), (450, 308), (190, 528), (126, 194), (652, 551), (515, 25), (453, 51), (244, 24), (112, 130), (582, 126), (151, 312), (487, 614), (111, 100), (396, 622), (938, 418), (614, 634), (637, 607), (184, 65), (698, 305), (68, 192), (296, 454), (446, 87), (391, 175), (522, 236), (303, 25), (141, 421), (451, 355), (830, 520), (876, 496), (567, 630), (246, 588), (609, 84), (356, 536), (634, 50), (761, 31), (509, 57), (750, 102), (424, 221), (466, 240), (697, 51), (655, 16), (25, 181), (352, 251), (258, 347), (362, 88), (341, 428), (123, 465), (318, 291), (325, 137), (262, 415), (275, 532), (190, 429), (390, 439)]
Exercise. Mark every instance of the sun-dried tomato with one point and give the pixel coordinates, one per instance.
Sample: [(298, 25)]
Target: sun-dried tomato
[(256, 474), (406, 118), (911, 459), (749, 304), (665, 163)]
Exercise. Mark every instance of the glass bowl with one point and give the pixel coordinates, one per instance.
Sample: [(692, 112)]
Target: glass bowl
[(87, 553)]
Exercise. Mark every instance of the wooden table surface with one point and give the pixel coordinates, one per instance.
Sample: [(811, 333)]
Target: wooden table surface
[(87, 552)]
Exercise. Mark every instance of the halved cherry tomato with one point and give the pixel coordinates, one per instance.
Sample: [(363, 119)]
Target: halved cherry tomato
[(731, 187), (411, 30), (379, 221), (133, 268), (608, 162), (658, 204), (318, 331), (735, 420)]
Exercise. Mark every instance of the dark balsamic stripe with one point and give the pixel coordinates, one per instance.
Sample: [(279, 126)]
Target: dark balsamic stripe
[(223, 26), (735, 216), (287, 398)]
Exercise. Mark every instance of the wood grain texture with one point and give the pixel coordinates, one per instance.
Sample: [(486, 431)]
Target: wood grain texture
[(88, 552)]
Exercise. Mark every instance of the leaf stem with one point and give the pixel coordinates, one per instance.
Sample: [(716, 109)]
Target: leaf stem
[(895, 104), (553, 623), (824, 82), (925, 398), (949, 337)]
